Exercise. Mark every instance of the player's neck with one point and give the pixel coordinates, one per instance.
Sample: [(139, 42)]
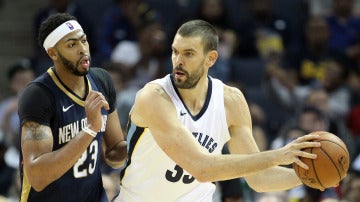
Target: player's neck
[(77, 84), (194, 98)]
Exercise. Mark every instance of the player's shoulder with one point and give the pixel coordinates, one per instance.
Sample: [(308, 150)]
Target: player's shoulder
[(36, 94), (34, 90), (235, 104), (102, 77), (151, 91), (151, 99), (232, 94)]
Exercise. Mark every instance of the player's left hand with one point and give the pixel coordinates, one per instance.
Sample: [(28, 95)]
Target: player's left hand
[(94, 102)]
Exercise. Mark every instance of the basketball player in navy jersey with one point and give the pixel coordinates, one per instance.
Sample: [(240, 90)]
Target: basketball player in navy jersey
[(65, 115), (180, 123)]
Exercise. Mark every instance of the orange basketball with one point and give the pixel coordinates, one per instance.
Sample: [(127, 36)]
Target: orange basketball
[(330, 166)]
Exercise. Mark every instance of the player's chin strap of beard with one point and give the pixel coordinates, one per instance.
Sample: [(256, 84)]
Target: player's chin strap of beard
[(61, 31)]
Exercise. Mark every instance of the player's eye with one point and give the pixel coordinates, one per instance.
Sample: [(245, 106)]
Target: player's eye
[(189, 54), (175, 52)]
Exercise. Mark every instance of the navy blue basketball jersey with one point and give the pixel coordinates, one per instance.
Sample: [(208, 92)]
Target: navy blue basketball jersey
[(65, 115)]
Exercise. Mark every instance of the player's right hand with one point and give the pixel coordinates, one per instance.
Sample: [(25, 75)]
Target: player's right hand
[(94, 102), (291, 152)]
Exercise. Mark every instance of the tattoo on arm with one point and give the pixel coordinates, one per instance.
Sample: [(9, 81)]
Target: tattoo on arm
[(34, 131)]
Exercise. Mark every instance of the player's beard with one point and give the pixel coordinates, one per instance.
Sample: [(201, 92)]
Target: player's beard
[(71, 66), (191, 80)]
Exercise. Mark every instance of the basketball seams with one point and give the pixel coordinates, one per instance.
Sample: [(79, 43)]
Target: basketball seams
[(341, 146), (333, 153), (333, 163), (338, 139), (315, 172), (329, 157), (303, 176), (313, 167)]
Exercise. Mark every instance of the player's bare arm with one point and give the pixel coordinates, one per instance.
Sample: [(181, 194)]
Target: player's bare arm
[(154, 109), (160, 116), (41, 163), (242, 142), (115, 144)]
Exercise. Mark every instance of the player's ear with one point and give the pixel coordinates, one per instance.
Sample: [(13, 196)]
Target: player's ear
[(52, 53), (212, 57)]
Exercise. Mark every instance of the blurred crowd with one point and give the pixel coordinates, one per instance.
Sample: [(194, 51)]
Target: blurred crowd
[(297, 62)]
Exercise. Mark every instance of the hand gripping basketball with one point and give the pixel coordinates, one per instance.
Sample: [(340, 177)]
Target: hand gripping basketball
[(330, 166)]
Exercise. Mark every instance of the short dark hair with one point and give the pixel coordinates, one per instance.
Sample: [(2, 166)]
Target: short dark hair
[(210, 38), (50, 24), (314, 110), (21, 66)]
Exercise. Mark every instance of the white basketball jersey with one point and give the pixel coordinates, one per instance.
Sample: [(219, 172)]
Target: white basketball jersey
[(150, 175)]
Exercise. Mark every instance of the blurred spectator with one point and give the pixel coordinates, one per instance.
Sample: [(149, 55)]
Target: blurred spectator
[(263, 32), (324, 7), (344, 28), (139, 62), (121, 22), (353, 82), (18, 75), (319, 7), (282, 84), (144, 60), (311, 119), (216, 13), (310, 61), (319, 99), (41, 60), (333, 80), (259, 120), (308, 120), (316, 65), (350, 186), (334, 84), (352, 122), (125, 92), (166, 10), (287, 135)]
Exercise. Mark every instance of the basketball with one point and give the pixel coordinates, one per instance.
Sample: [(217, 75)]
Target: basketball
[(330, 166)]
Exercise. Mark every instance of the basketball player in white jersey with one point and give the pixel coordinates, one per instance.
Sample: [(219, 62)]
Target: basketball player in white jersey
[(179, 124)]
